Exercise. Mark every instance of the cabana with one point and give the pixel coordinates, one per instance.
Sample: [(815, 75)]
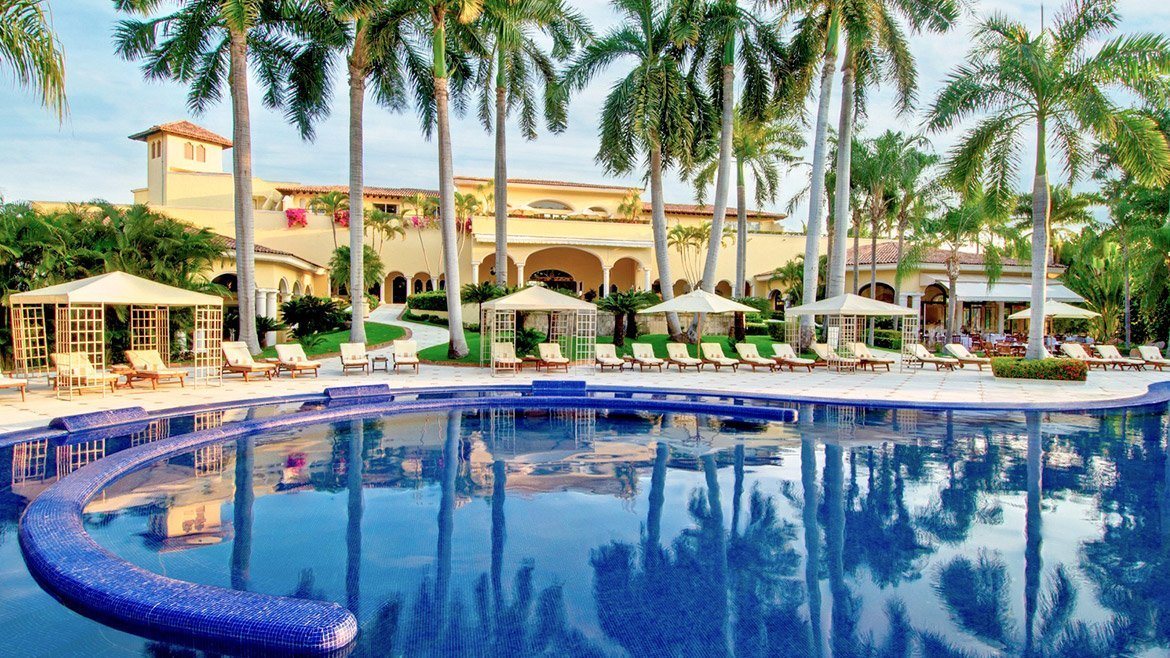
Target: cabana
[(700, 302), (844, 315), (75, 313), (572, 324)]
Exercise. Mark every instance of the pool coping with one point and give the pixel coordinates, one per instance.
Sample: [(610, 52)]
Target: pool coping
[(67, 562)]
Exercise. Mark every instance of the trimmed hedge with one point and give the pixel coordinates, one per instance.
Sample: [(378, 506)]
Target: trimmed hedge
[(890, 339), (435, 300), (1065, 370)]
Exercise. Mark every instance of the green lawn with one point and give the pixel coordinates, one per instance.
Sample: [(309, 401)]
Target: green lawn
[(376, 334), (438, 353)]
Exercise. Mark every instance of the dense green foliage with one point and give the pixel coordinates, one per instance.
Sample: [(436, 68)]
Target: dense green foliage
[(308, 315), (329, 342), (434, 300), (1066, 370)]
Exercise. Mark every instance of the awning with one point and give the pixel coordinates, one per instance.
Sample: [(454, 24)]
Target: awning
[(1006, 291), (116, 288), (699, 301), (849, 304), (538, 298)]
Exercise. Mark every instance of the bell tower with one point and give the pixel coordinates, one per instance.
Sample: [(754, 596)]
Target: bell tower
[(178, 146)]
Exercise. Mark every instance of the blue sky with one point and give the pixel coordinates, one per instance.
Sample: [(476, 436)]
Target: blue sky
[(90, 157)]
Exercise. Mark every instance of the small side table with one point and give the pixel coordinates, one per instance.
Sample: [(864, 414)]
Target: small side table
[(126, 372), (533, 361), (383, 360)]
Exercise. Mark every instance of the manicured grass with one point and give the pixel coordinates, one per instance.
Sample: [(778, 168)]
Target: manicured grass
[(438, 353), (376, 334)]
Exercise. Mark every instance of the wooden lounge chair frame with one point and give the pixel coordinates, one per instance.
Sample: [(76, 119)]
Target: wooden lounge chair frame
[(867, 358), (504, 354), (647, 359), (351, 362), (789, 358), (88, 376), (149, 365), (831, 358), (1077, 351), (19, 384), (682, 361), (246, 365), (296, 363), (609, 360), (721, 361), (406, 355), (1153, 356), (1110, 353), (960, 352), (749, 355), (922, 356), (549, 360)]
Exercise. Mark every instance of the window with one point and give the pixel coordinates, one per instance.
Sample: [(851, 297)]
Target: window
[(391, 208), (189, 151), (155, 149), (550, 204), (201, 153)]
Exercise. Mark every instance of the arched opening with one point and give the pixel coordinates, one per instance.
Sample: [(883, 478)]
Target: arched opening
[(934, 306), (201, 153), (572, 269), (188, 150), (442, 282), (885, 292), (395, 283), (551, 204), (421, 282), (656, 287), (309, 290), (777, 299), (297, 290), (282, 290), (487, 270), (747, 288), (555, 279), (681, 287), (228, 280), (723, 288), (623, 275)]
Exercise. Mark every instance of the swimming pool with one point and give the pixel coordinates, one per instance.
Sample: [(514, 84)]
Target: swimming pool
[(589, 531)]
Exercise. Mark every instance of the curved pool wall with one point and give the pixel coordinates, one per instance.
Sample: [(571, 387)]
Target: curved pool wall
[(72, 567)]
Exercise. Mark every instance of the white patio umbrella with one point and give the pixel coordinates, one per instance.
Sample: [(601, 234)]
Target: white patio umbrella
[(700, 301), (1054, 309)]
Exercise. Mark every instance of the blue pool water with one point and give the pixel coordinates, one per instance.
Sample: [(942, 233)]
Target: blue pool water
[(585, 532)]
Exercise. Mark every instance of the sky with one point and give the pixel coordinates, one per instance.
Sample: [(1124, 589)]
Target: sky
[(89, 156)]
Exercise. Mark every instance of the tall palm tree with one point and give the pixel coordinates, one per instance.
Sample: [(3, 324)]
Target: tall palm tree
[(1068, 213), (917, 195), (1052, 80), (512, 29), (763, 147), (207, 44), (31, 51), (445, 27), (876, 50), (331, 204), (656, 112)]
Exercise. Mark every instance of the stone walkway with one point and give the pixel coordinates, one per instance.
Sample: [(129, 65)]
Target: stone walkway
[(426, 335)]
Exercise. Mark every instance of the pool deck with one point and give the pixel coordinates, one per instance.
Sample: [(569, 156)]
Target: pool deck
[(962, 387)]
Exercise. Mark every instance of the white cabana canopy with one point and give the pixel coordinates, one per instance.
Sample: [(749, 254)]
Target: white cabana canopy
[(700, 301), (1007, 291), (1055, 309), (117, 288), (852, 305), (538, 298)]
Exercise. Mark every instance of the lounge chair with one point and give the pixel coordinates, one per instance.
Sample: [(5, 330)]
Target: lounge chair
[(713, 354), (965, 357), (868, 358), (678, 356), (76, 372), (644, 356), (504, 357), (1120, 362), (238, 360), (148, 364), (354, 357), (827, 357), (784, 355), (293, 359), (749, 355), (406, 354), (1077, 351), (605, 355), (1153, 356), (551, 357), (12, 382), (922, 356)]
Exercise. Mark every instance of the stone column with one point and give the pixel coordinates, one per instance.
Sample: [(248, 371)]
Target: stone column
[(261, 302), (646, 278), (382, 291), (271, 306), (604, 282), (519, 274), (475, 271)]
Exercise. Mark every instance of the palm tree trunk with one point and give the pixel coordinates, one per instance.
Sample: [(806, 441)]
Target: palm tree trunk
[(501, 180), (856, 256), (1040, 204), (873, 228), (242, 188), (658, 227), (722, 177), (741, 231), (457, 346), (841, 210), (619, 328), (901, 252), (357, 95), (242, 517), (1128, 300), (353, 517), (812, 240), (952, 301), (1033, 534)]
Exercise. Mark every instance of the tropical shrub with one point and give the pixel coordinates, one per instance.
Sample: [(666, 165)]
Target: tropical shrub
[(297, 217), (887, 338), (526, 341), (313, 315), (1067, 370), (432, 300)]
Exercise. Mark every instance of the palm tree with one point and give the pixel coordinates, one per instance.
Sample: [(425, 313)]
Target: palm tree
[(1051, 80), (1068, 212), (731, 36), (191, 45), (916, 195), (333, 205), (425, 209), (876, 50), (340, 275), (514, 55), (478, 293), (656, 113), (31, 51), (763, 147), (624, 305)]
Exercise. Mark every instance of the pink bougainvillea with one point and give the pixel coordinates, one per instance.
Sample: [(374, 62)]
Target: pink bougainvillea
[(342, 218), (297, 217)]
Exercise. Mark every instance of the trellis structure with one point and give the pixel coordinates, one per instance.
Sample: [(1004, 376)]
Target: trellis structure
[(572, 324), (76, 356), (845, 314)]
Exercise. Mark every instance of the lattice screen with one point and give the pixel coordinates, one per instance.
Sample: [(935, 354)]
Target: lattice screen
[(205, 420), (28, 461), (73, 456), (792, 333), (840, 331), (910, 335), (208, 460), (159, 428), (503, 330), (560, 331), (502, 429), (150, 329), (30, 340), (585, 342), (81, 340), (207, 345)]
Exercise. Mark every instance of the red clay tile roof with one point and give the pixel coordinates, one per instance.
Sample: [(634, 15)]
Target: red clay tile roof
[(384, 192), (184, 129), (229, 244), (553, 183), (887, 254), (693, 209)]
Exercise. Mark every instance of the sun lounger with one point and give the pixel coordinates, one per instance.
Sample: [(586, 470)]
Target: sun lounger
[(784, 355), (923, 356), (644, 356), (238, 360), (1153, 356), (1110, 353), (605, 355), (1077, 351), (868, 358), (406, 355), (829, 358), (12, 382), (354, 357), (76, 372), (293, 359), (551, 357), (749, 355), (965, 357), (149, 365), (504, 357), (713, 354), (678, 356)]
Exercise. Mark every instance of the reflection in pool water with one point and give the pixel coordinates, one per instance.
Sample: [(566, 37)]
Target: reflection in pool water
[(591, 533)]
